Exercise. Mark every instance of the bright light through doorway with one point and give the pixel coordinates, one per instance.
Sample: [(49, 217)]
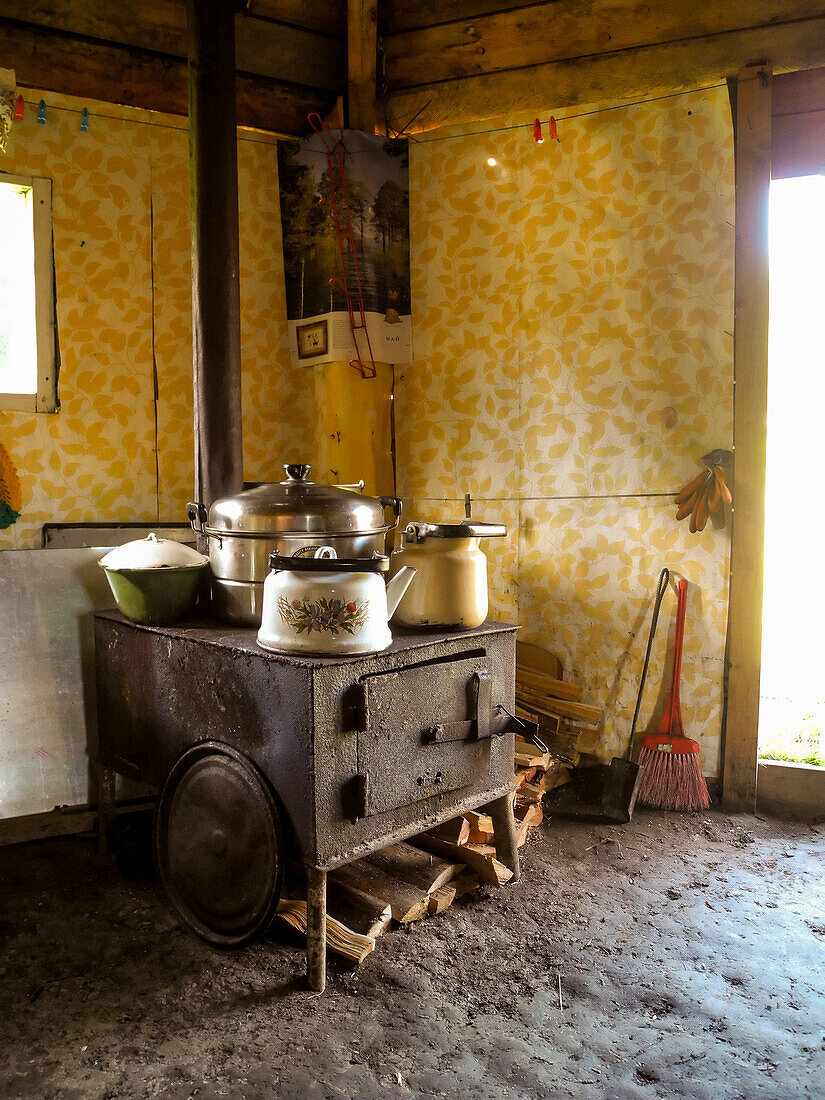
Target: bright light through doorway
[(792, 709)]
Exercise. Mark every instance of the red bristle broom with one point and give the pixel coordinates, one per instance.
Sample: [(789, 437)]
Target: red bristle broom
[(672, 778)]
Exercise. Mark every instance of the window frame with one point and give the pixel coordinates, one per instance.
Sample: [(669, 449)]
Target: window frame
[(44, 399)]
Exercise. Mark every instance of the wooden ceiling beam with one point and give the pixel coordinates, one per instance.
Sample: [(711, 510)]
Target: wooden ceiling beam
[(362, 63), (400, 15), (567, 29), (55, 62), (262, 47), (324, 16), (603, 77)]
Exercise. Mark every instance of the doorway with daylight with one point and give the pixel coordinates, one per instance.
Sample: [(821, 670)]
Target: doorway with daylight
[(792, 694)]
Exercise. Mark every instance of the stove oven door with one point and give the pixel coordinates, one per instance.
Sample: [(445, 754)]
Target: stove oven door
[(424, 731)]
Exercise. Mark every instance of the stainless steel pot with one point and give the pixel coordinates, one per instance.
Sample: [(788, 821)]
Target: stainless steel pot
[(292, 517)]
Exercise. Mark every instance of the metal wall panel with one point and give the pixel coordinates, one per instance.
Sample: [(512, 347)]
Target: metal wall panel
[(47, 702)]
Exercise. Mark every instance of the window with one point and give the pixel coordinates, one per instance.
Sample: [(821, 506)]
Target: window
[(28, 366)]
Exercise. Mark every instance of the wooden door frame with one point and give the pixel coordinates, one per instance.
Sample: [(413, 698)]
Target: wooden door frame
[(779, 131), (752, 135)]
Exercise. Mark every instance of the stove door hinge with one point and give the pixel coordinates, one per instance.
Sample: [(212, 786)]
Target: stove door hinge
[(355, 796), (355, 710)]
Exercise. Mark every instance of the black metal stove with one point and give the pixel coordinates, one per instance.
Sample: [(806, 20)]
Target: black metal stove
[(328, 758)]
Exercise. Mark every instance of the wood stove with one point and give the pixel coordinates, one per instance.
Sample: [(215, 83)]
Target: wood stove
[(258, 754)]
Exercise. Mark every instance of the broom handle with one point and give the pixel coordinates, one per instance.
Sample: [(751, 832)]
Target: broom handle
[(675, 726)]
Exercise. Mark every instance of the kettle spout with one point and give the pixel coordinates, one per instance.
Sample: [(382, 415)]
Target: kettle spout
[(397, 587)]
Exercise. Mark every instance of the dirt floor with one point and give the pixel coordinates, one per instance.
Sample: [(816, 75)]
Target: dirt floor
[(690, 953)]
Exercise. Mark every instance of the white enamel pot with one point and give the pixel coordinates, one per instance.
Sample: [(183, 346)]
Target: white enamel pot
[(451, 587), (328, 605)]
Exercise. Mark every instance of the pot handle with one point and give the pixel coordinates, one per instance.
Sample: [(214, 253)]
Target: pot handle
[(395, 504), (197, 514)]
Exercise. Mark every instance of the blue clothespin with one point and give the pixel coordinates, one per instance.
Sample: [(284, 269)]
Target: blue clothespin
[(84, 121), (41, 112)]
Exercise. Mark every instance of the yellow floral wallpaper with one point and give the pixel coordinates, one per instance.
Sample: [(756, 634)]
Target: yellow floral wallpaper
[(572, 312), (572, 316), (121, 239)]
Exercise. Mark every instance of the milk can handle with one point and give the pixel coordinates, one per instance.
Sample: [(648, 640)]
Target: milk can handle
[(395, 504)]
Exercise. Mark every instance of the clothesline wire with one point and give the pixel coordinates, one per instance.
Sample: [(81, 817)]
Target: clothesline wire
[(564, 118), (412, 139)]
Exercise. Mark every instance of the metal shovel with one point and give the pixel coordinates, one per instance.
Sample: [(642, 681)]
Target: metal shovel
[(602, 794), (606, 793)]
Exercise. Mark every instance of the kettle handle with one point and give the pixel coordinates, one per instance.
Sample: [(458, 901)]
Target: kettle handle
[(395, 504), (197, 515)]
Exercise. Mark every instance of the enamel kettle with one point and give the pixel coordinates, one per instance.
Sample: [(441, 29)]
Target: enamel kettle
[(329, 605), (451, 589)]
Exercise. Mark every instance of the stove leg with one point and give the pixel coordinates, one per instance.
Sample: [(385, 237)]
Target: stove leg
[(504, 830), (105, 806), (316, 929)]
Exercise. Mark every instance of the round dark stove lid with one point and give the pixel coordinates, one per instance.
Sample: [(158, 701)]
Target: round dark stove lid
[(218, 844)]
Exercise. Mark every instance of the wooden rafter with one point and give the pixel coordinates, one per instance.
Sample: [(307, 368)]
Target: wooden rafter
[(566, 29), (51, 61), (263, 48), (554, 54), (324, 16)]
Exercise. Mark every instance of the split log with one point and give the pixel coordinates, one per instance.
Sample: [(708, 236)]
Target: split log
[(555, 776), (544, 705), (528, 794), (588, 739), (547, 685), (531, 813), (541, 660), (441, 899), (488, 851), (456, 831), (407, 903), (481, 827), (361, 912), (340, 939), (488, 868), (414, 867)]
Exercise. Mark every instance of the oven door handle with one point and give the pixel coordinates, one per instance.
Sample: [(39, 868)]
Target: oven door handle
[(480, 726)]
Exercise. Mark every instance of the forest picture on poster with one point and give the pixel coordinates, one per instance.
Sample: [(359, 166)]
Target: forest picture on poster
[(375, 194)]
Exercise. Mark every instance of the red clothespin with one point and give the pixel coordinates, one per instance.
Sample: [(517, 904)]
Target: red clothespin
[(19, 108), (538, 137), (553, 130)]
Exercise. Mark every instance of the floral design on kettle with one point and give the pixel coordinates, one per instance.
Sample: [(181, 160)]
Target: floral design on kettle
[(333, 616)]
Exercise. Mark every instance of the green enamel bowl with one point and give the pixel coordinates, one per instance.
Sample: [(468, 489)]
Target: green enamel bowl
[(156, 597)]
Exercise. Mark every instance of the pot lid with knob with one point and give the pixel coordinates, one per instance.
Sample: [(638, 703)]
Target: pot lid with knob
[(296, 506)]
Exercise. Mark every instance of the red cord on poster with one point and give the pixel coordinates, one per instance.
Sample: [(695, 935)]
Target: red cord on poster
[(345, 234)]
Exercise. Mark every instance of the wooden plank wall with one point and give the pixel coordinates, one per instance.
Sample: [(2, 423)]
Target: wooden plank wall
[(486, 63)]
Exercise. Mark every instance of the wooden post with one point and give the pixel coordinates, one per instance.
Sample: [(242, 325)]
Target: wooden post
[(216, 312), (504, 833), (750, 406), (362, 52), (316, 929)]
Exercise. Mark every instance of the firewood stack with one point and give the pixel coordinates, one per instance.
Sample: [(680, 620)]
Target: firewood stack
[(422, 877), (566, 725)]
